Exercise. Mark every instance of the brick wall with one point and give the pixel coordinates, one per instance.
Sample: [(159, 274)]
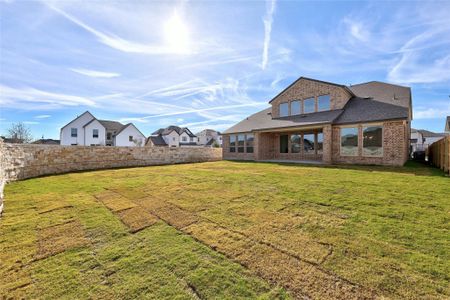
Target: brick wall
[(395, 146), (304, 89), (20, 161)]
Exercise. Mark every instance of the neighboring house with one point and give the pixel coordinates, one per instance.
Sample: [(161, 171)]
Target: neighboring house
[(430, 137), (416, 141), (46, 142), (313, 120), (447, 125), (11, 140), (209, 137), (172, 136), (86, 130)]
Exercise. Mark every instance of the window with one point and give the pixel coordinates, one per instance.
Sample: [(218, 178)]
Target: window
[(184, 139), (73, 132), (232, 143), (108, 135), (191, 139), (240, 144), (323, 103), (319, 143), (284, 109), (295, 143), (249, 143), (308, 143), (284, 143), (373, 141), (308, 105), (349, 141), (130, 138), (95, 133), (295, 107)]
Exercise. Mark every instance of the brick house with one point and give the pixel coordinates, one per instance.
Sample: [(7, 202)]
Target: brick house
[(313, 120)]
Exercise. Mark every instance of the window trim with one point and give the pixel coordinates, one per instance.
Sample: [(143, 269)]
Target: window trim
[(329, 107), (314, 151), (230, 146), (300, 107), (246, 143), (130, 138), (358, 140), (288, 109), (93, 133), (237, 144), (315, 106), (382, 139), (76, 132)]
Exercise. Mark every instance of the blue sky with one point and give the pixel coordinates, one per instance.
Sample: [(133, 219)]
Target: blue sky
[(210, 64)]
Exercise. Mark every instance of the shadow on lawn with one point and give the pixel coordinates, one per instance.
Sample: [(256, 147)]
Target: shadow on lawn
[(410, 168)]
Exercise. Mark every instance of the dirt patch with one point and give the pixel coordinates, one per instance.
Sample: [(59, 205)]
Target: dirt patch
[(114, 201), (136, 219), (59, 238)]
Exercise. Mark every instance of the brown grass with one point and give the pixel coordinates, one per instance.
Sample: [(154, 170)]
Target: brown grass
[(136, 219), (59, 238), (114, 201)]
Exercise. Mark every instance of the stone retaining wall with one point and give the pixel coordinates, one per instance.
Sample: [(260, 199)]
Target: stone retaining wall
[(21, 161)]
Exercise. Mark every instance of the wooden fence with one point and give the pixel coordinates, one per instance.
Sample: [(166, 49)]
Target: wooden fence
[(439, 154)]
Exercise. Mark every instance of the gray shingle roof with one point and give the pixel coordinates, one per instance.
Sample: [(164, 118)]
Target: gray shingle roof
[(358, 110), (111, 125), (177, 129), (427, 133), (263, 120), (157, 140), (383, 92)]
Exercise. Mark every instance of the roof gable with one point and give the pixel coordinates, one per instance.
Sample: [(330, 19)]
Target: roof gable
[(299, 80), (128, 125), (86, 112)]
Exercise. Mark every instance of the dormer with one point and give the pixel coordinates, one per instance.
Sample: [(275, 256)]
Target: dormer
[(307, 95)]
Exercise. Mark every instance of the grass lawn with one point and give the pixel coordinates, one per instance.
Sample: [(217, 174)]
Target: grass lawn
[(229, 230)]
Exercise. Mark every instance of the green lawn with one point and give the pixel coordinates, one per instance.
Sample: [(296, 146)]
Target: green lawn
[(229, 230)]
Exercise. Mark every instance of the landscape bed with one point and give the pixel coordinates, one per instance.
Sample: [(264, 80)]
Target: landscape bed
[(228, 230)]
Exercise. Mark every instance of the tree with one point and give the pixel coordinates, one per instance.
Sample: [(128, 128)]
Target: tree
[(20, 133)]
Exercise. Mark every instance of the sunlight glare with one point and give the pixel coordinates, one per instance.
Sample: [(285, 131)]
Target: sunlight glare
[(177, 35)]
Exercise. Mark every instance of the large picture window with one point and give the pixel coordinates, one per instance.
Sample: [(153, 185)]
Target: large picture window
[(296, 107), (308, 143), (373, 141), (295, 143), (349, 141), (308, 105), (323, 102), (241, 142), (319, 143), (232, 143), (284, 109), (249, 143), (284, 145)]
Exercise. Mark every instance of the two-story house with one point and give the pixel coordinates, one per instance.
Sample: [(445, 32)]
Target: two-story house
[(209, 138), (86, 130), (172, 136), (313, 120)]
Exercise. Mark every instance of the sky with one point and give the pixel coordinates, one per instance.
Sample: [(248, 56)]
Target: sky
[(210, 64)]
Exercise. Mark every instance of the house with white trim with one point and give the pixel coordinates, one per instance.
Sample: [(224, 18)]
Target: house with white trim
[(172, 136), (87, 130), (209, 138)]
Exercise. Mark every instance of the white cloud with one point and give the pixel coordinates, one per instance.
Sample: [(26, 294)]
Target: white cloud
[(119, 43), (30, 98), (42, 116), (268, 20), (432, 113), (95, 74)]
